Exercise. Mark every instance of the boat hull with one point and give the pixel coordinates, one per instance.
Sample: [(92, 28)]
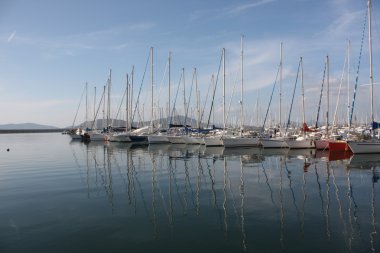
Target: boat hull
[(292, 144), (94, 136), (364, 147), (274, 143), (338, 146), (122, 137), (139, 138), (322, 144), (231, 142), (213, 141), (192, 140), (176, 139), (76, 136), (158, 139)]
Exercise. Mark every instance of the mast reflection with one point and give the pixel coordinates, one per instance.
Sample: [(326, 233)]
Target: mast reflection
[(234, 193)]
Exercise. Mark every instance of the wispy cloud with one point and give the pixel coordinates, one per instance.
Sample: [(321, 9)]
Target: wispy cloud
[(10, 38), (342, 27), (100, 39), (142, 26), (229, 11), (235, 10)]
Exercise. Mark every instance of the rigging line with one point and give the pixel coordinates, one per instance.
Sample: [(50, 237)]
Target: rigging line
[(142, 81), (121, 102), (213, 96), (271, 96), (191, 90), (159, 96), (294, 91), (208, 91), (229, 105), (340, 89), (320, 96), (80, 102), (175, 99), (161, 83), (100, 103), (162, 80), (357, 72)]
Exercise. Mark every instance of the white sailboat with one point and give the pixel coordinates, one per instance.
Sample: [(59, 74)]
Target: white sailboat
[(158, 137), (372, 145), (215, 139), (77, 133), (122, 136), (276, 141), (94, 134), (301, 141), (230, 141)]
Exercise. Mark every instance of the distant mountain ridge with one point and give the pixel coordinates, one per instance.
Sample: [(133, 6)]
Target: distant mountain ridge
[(28, 126)]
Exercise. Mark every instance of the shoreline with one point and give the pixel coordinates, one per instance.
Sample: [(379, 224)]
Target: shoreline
[(19, 131)]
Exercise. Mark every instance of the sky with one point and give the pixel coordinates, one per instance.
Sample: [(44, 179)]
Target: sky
[(50, 49)]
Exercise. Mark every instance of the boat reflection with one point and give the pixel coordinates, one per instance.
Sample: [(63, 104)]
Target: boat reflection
[(256, 199), (365, 160)]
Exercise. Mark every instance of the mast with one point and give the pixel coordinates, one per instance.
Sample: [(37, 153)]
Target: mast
[(280, 105), (348, 88), (370, 60), (94, 102), (86, 106), (104, 106), (169, 65), (151, 76), (127, 105), (109, 101), (328, 93), (224, 90), (198, 100), (242, 91), (131, 97), (184, 93), (213, 111), (303, 96)]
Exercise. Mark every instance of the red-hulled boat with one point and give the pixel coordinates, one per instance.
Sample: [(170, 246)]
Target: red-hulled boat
[(338, 145), (322, 144)]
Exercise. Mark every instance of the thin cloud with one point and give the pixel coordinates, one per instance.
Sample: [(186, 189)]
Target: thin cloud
[(141, 27), (228, 11), (10, 38), (244, 7), (342, 26), (101, 39)]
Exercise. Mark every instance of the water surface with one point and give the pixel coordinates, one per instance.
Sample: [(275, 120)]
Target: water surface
[(57, 195)]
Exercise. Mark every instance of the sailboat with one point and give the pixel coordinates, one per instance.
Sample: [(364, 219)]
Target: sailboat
[(323, 142), (301, 141), (100, 135), (123, 136), (372, 145), (77, 133), (276, 141), (240, 141), (161, 137), (215, 137), (140, 135), (336, 143)]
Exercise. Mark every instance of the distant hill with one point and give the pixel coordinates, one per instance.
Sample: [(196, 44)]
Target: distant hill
[(23, 126), (100, 123)]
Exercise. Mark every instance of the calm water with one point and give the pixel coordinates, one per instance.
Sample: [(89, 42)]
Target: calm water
[(62, 196)]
